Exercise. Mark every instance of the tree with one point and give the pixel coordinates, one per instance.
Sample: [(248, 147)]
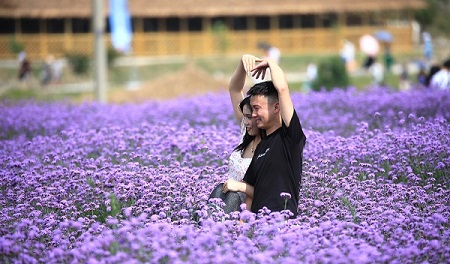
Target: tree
[(434, 17), (331, 74)]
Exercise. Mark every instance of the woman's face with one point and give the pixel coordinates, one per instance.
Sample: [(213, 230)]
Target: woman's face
[(249, 122)]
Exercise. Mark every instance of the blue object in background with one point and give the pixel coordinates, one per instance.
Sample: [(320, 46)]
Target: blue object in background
[(384, 36), (120, 23), (427, 46)]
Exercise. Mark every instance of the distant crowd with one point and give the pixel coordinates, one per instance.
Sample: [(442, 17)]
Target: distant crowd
[(50, 72)]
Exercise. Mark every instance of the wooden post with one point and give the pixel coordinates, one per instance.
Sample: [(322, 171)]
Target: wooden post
[(138, 47), (43, 39), (100, 52), (68, 36)]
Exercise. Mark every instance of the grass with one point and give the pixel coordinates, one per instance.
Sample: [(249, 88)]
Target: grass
[(120, 77)]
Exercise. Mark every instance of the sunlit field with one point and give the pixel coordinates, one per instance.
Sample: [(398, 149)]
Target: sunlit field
[(106, 183)]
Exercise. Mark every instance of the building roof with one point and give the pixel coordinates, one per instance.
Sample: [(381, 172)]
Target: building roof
[(200, 8)]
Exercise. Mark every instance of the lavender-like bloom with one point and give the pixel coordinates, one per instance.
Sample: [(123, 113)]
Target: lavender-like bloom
[(285, 196), (129, 183)]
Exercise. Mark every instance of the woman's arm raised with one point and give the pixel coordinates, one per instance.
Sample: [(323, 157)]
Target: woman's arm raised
[(237, 82)]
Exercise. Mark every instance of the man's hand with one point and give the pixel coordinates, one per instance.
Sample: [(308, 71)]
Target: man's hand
[(280, 83), (261, 69)]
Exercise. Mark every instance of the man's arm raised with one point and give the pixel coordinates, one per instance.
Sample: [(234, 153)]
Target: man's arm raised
[(280, 83)]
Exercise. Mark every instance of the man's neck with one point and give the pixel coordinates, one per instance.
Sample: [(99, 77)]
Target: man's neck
[(274, 125), (273, 128)]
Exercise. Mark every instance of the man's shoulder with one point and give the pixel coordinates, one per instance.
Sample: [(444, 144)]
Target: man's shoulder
[(294, 122)]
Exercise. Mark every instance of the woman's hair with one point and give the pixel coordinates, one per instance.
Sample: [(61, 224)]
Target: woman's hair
[(433, 70), (247, 138)]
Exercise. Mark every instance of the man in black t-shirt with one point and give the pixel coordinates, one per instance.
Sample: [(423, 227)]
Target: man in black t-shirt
[(275, 171)]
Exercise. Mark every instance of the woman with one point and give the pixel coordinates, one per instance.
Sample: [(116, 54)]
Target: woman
[(242, 155)]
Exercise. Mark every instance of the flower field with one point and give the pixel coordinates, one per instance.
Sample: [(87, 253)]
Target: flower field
[(94, 183)]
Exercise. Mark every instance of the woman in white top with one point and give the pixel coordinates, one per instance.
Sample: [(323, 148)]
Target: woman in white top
[(441, 80), (242, 155)]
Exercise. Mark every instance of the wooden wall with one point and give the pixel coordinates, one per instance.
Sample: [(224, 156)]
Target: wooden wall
[(293, 41)]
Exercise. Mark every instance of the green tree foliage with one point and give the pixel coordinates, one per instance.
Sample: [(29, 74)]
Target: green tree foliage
[(435, 16), (78, 62), (219, 29), (331, 73), (14, 45), (112, 54)]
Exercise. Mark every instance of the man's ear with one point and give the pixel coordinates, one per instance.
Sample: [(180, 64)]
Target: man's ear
[(276, 107)]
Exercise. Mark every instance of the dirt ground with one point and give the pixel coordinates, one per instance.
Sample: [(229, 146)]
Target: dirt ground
[(187, 82)]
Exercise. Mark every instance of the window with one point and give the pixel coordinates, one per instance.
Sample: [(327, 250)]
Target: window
[(195, 24), (150, 25), (173, 24), (262, 22), (239, 23), (29, 25), (374, 19), (8, 26), (354, 20), (80, 25), (55, 25), (307, 21), (286, 22), (329, 20)]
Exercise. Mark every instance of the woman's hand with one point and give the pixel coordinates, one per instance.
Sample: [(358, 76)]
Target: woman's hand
[(249, 62), (236, 186), (232, 185)]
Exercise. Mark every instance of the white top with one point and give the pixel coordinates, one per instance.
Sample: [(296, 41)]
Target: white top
[(237, 165), (441, 80)]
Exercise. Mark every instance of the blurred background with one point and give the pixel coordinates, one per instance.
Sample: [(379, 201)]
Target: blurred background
[(158, 49)]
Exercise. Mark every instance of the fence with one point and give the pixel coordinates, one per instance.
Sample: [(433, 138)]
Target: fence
[(296, 41)]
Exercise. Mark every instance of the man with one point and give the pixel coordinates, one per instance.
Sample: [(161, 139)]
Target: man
[(276, 166)]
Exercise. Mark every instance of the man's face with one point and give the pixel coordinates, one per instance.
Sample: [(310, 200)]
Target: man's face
[(263, 112)]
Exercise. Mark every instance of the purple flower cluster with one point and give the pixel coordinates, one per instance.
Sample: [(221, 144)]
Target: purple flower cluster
[(95, 183)]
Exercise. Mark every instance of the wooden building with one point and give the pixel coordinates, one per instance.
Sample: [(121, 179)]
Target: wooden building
[(206, 27)]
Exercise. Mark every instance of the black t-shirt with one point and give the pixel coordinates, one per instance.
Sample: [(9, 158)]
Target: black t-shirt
[(276, 167)]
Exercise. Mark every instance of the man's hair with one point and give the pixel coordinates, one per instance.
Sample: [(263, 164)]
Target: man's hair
[(266, 89)]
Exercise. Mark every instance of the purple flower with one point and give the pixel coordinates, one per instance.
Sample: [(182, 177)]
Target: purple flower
[(285, 195)]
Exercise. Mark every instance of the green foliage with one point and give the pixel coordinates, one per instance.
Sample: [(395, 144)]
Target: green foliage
[(219, 29), (115, 205), (112, 55), (14, 45), (78, 62), (350, 207), (16, 93), (91, 182), (113, 248), (434, 17), (331, 73)]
